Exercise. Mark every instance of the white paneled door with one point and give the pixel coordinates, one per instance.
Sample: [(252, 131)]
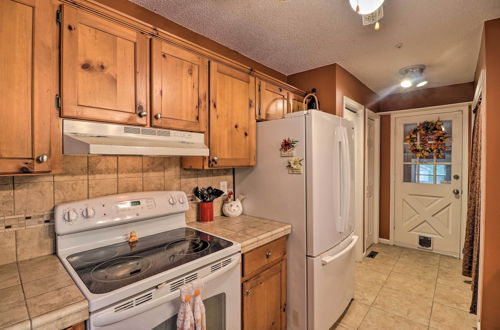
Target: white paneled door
[(427, 196), (370, 182)]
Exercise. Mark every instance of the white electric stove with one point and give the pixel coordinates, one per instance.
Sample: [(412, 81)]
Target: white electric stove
[(136, 285)]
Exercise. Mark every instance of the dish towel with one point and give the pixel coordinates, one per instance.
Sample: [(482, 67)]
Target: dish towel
[(199, 307), (185, 319)]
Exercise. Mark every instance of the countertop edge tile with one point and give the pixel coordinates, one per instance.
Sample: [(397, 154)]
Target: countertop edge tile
[(23, 325), (63, 317)]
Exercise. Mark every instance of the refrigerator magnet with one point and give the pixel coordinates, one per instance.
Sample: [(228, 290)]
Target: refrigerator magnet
[(295, 166), (287, 148)]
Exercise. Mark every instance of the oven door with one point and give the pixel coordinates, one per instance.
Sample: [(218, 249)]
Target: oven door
[(157, 308)]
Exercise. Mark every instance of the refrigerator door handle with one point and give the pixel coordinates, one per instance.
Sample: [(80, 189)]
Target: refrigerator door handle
[(346, 159), (339, 182), (329, 259)]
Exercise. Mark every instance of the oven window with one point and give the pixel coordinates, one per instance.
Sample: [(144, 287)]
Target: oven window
[(215, 310)]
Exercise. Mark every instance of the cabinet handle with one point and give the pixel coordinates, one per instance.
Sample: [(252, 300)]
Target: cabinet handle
[(42, 158), (158, 116), (268, 254), (248, 292)]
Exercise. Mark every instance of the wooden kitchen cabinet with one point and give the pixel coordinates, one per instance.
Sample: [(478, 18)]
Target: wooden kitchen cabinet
[(179, 80), (295, 102), (272, 101), (264, 287), (104, 69), (30, 140), (232, 125)]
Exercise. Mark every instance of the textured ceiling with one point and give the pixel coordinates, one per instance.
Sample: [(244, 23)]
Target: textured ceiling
[(296, 35)]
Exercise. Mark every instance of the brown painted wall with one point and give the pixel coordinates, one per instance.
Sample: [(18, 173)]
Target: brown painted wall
[(167, 25), (428, 97), (385, 176), (348, 85), (333, 83), (323, 79), (490, 317)]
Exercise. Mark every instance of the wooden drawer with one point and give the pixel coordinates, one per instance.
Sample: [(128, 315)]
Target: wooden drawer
[(264, 256)]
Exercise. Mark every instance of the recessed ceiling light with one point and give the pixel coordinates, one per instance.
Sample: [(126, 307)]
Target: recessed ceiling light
[(422, 83), (405, 83)]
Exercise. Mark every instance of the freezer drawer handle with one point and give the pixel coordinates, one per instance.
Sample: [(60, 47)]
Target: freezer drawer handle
[(327, 260)]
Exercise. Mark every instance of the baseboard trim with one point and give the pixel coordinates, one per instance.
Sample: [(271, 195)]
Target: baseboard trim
[(385, 241)]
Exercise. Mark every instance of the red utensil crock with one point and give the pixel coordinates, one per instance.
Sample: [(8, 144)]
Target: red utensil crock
[(206, 211)]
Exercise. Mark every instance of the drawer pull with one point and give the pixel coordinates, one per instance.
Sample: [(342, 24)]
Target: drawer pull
[(268, 254), (248, 292)]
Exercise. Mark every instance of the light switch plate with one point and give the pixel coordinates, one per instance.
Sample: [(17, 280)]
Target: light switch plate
[(223, 186)]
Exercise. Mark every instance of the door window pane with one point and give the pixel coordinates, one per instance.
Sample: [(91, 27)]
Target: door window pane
[(427, 169)]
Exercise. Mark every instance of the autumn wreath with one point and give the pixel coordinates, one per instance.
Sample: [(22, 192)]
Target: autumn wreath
[(429, 138)]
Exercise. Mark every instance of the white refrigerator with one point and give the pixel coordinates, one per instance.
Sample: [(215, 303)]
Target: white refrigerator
[(317, 201)]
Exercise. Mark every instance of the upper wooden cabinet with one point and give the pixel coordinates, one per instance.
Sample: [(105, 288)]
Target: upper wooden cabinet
[(232, 117), (295, 102), (272, 101), (29, 128), (104, 69), (179, 88)]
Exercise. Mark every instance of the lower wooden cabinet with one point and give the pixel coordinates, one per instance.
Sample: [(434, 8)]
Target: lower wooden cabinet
[(264, 287)]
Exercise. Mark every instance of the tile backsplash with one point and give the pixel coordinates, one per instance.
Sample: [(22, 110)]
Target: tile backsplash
[(27, 202)]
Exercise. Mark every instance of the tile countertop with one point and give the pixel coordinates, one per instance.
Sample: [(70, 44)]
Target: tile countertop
[(249, 231), (39, 294)]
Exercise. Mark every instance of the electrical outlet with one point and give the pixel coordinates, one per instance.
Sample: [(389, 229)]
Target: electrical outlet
[(223, 186)]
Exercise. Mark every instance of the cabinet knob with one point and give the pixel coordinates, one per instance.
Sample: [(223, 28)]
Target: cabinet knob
[(248, 292), (268, 254), (42, 158), (140, 111), (158, 116)]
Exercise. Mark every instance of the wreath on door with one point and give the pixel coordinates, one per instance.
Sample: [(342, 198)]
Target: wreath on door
[(428, 139)]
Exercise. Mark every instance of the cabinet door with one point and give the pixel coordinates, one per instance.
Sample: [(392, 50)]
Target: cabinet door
[(295, 102), (264, 299), (272, 101), (232, 117), (179, 87), (27, 86), (104, 69)]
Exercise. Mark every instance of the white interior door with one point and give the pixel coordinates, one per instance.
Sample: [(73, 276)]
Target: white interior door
[(427, 195), (370, 182)]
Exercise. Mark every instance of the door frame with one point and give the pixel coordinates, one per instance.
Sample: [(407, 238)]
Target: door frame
[(376, 184), (351, 106), (465, 109)]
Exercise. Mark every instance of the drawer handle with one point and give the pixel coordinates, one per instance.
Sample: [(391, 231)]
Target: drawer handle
[(248, 292), (268, 254)]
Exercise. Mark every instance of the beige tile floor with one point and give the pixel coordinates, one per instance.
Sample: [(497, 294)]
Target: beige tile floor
[(408, 289)]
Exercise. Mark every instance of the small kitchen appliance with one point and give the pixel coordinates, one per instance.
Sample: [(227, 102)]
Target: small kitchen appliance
[(129, 254), (310, 186)]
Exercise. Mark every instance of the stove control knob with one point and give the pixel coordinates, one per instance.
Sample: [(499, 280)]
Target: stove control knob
[(182, 200), (70, 216), (88, 212), (172, 201)]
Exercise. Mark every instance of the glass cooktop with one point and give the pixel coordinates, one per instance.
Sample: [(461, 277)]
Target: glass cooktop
[(111, 267)]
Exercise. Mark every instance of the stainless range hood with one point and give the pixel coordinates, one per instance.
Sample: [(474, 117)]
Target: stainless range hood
[(81, 137)]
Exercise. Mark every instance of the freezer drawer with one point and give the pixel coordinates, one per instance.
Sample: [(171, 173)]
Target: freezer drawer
[(330, 282)]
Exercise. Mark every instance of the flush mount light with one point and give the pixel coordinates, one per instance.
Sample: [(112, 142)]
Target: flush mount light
[(413, 75), (365, 7)]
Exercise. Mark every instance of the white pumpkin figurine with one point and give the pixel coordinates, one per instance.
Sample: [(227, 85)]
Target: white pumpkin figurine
[(232, 208)]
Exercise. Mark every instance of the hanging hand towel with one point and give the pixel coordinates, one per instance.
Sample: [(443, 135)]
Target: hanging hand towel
[(199, 307), (185, 318)]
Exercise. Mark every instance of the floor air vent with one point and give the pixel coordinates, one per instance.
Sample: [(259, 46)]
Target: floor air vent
[(372, 254)]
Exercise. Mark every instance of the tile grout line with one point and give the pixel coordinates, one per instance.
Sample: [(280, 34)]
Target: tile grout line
[(434, 292)]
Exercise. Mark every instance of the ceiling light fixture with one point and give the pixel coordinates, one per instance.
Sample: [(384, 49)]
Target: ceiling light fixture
[(365, 7), (413, 75)]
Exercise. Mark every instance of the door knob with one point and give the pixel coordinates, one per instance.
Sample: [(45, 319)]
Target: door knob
[(140, 111), (158, 116), (456, 192)]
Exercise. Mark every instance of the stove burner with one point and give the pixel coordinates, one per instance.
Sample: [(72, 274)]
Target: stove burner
[(187, 233), (187, 246), (120, 268)]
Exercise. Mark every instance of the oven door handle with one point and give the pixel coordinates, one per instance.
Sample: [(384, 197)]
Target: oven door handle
[(110, 316)]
